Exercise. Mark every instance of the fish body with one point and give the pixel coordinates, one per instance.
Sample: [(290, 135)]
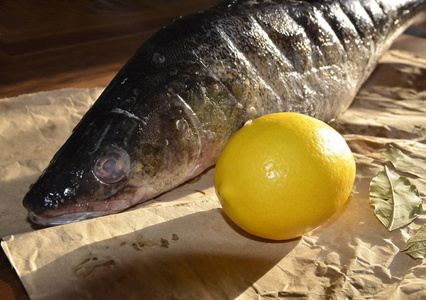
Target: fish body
[(169, 112)]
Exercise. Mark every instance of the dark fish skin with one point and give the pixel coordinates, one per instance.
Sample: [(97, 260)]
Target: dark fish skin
[(169, 112)]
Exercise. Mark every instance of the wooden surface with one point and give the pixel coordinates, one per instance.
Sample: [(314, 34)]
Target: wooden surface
[(48, 45), (57, 44)]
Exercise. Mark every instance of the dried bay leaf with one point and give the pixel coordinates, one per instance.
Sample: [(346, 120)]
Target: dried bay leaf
[(395, 200), (404, 163), (416, 246)]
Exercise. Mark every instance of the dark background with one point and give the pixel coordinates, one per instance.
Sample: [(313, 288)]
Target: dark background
[(51, 44)]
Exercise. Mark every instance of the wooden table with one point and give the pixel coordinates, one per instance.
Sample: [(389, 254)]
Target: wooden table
[(50, 45)]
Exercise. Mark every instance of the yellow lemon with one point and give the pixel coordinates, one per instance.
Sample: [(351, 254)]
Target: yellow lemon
[(283, 175)]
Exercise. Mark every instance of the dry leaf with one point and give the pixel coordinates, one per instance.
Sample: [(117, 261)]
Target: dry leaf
[(416, 246), (395, 200), (404, 163)]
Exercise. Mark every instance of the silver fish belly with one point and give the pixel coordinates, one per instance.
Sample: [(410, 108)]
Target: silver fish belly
[(169, 112)]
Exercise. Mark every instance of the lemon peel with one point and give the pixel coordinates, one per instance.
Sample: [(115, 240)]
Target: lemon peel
[(283, 175)]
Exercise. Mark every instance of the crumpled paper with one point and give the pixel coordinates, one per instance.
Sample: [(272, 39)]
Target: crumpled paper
[(183, 246)]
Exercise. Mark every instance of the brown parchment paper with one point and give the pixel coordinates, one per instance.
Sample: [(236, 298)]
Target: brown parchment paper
[(182, 246)]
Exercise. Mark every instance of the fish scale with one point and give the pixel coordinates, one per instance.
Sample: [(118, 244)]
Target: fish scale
[(312, 65), (169, 112)]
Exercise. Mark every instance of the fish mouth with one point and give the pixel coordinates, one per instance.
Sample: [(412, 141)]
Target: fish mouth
[(90, 210), (71, 215), (66, 218)]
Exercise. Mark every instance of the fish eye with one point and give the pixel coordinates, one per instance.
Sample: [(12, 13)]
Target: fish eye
[(112, 166)]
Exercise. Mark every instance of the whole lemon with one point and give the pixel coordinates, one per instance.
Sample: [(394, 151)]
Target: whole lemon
[(283, 175)]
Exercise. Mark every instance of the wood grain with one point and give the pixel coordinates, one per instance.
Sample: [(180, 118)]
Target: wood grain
[(53, 44)]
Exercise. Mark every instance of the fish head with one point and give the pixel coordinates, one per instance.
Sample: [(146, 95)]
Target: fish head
[(116, 159)]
